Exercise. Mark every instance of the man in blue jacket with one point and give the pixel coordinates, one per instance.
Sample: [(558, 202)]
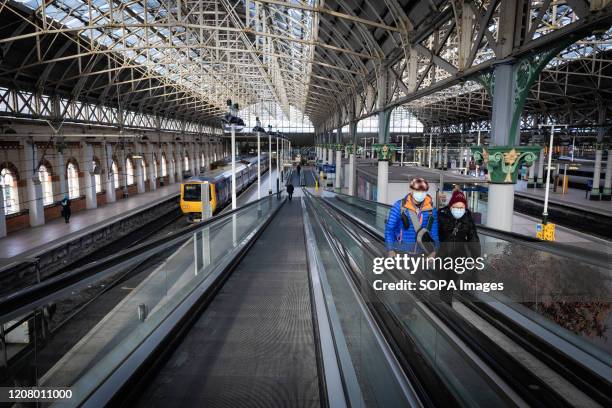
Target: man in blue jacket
[(400, 233)]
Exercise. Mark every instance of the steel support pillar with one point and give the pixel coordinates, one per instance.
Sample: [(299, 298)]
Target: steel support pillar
[(34, 187), (338, 180), (89, 179), (501, 195), (445, 158), (2, 215), (352, 167), (382, 181), (595, 191), (61, 170), (152, 176), (111, 197), (140, 184), (607, 191), (531, 180), (269, 164), (540, 180), (258, 165), (171, 164)]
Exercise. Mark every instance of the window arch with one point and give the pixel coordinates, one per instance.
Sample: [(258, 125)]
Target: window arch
[(47, 186), (115, 171), (8, 181), (164, 166), (72, 178), (186, 162), (155, 167), (129, 171)]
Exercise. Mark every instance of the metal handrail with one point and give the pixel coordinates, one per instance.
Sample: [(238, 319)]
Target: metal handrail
[(589, 256)]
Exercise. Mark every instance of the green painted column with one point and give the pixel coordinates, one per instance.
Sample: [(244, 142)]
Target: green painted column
[(384, 152), (503, 158)]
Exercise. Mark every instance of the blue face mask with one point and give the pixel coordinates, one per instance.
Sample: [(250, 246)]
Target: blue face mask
[(457, 212), (419, 196)]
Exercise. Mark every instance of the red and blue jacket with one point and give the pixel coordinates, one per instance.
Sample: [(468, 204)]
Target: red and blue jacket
[(400, 239)]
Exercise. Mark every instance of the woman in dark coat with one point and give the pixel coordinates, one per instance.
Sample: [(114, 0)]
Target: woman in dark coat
[(458, 235)]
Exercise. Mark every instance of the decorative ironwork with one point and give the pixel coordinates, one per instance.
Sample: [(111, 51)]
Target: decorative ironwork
[(384, 151), (503, 162)]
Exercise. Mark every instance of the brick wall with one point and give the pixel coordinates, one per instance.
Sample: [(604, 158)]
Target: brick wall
[(101, 198), (16, 222)]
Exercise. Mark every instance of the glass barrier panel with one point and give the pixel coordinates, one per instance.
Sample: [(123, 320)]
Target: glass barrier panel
[(81, 337), (377, 385), (569, 297), (459, 374)]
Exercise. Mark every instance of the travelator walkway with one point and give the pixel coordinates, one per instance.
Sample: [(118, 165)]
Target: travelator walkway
[(273, 305)]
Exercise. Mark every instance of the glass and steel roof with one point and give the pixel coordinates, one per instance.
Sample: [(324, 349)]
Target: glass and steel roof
[(185, 58)]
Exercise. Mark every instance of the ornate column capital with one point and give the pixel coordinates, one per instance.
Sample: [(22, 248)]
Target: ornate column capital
[(384, 151), (503, 162)]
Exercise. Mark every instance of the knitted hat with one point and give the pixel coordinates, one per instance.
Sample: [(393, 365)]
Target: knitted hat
[(419, 184), (457, 197)]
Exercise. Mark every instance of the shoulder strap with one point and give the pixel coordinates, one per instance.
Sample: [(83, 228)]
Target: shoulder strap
[(416, 224), (403, 214), (430, 220), (415, 221)]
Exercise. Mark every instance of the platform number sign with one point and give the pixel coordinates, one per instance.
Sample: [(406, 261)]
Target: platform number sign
[(545, 232)]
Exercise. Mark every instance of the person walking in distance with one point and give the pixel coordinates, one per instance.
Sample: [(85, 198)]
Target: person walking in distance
[(290, 189), (65, 203)]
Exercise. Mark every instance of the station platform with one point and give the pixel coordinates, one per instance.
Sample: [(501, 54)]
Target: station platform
[(32, 241), (574, 198)]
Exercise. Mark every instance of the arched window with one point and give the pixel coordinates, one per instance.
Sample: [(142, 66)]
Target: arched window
[(9, 186), (186, 161), (46, 184), (97, 177), (155, 175), (129, 172), (202, 160), (164, 166), (144, 169), (115, 174), (73, 181)]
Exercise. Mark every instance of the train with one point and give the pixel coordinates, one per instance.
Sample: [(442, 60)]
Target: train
[(580, 171), (219, 181)]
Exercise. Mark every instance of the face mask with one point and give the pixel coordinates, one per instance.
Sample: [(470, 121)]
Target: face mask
[(457, 212), (419, 196)]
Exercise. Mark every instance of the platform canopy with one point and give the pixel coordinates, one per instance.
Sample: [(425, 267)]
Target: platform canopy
[(334, 61)]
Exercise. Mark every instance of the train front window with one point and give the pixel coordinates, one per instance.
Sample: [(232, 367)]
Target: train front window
[(191, 192)]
